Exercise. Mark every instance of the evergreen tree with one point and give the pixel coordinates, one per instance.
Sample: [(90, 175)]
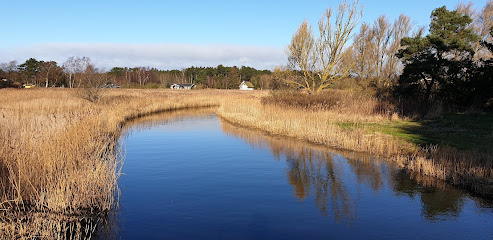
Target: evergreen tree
[(31, 68), (436, 64)]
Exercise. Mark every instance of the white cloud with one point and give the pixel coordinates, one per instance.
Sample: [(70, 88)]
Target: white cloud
[(158, 55)]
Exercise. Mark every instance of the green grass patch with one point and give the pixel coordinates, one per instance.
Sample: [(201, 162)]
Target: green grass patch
[(462, 131)]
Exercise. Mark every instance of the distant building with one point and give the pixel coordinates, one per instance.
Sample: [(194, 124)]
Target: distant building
[(4, 83), (182, 86), (7, 83), (245, 85)]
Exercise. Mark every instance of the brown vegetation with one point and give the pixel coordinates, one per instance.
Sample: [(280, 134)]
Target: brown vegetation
[(314, 170), (58, 163), (335, 100), (57, 159), (321, 123)]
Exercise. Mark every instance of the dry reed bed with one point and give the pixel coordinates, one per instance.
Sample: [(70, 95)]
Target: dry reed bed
[(58, 156), (314, 126), (57, 159), (471, 170)]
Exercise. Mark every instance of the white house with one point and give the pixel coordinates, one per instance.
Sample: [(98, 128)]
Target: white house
[(182, 86), (245, 85)]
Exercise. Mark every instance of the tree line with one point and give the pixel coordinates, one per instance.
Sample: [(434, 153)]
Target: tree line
[(77, 72), (450, 62), (206, 77)]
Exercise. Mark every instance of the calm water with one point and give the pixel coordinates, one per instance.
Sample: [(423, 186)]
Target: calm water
[(190, 175)]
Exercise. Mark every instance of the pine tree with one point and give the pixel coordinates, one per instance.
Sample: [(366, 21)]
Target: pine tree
[(436, 63)]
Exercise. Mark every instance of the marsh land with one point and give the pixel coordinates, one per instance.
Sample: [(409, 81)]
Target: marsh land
[(60, 161)]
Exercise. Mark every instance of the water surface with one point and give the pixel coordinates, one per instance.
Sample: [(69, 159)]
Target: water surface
[(190, 175)]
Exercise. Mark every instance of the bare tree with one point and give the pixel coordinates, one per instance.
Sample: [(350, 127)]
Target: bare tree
[(318, 59), (57, 75), (301, 54), (484, 23), (9, 67), (75, 66), (400, 29), (373, 52), (48, 68), (143, 75), (280, 76), (91, 83), (69, 67), (383, 32), (362, 52), (81, 66), (467, 9)]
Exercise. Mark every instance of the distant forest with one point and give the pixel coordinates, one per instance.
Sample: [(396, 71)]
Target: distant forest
[(204, 77), (75, 72)]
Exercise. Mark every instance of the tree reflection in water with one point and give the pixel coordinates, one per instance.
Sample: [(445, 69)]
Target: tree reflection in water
[(328, 175), (368, 170), (309, 169), (323, 172), (438, 199), (315, 169)]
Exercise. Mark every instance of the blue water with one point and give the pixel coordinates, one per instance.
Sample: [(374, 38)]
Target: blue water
[(194, 176)]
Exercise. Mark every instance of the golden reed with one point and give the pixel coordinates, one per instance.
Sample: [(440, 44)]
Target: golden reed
[(468, 169), (58, 157), (58, 164)]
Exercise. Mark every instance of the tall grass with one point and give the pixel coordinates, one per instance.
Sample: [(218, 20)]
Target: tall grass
[(348, 102), (58, 163), (323, 123), (57, 160), (315, 125)]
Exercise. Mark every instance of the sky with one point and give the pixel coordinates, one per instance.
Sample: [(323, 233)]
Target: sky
[(175, 34)]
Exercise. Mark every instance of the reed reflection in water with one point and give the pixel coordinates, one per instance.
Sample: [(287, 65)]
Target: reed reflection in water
[(314, 169), (191, 175)]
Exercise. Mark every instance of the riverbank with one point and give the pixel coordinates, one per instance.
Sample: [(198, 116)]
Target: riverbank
[(58, 155), (58, 160), (355, 125)]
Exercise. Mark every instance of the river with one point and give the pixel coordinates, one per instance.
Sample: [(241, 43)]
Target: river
[(191, 175)]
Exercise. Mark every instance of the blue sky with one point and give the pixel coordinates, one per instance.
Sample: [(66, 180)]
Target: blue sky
[(182, 33)]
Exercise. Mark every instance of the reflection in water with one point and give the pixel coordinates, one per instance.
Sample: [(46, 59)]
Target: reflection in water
[(219, 187), (150, 121), (367, 170), (310, 168), (314, 170), (438, 199), (108, 228)]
